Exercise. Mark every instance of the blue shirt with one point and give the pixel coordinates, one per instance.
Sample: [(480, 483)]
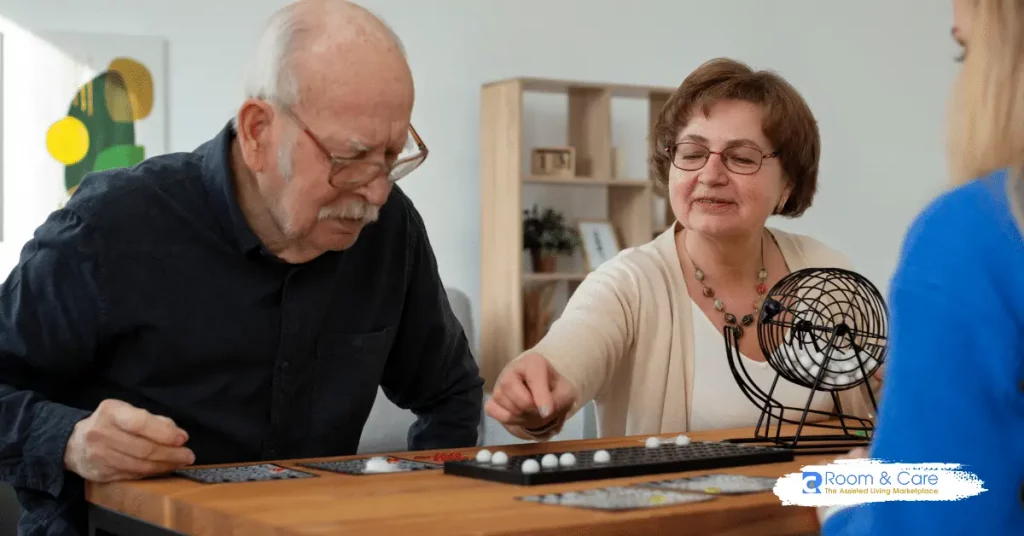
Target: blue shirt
[(149, 287), (954, 381)]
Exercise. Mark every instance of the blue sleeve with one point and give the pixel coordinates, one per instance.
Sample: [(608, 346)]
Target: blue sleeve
[(952, 391), (431, 370), (50, 311)]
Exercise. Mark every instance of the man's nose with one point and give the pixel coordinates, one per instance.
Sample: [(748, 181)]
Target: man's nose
[(377, 191)]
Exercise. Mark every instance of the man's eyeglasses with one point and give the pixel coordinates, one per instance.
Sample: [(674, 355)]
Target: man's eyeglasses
[(742, 159), (351, 173)]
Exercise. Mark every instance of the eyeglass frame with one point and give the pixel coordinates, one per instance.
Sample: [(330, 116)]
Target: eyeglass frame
[(671, 150), (338, 163)]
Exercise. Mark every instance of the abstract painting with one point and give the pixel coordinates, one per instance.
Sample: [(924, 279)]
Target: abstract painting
[(116, 116)]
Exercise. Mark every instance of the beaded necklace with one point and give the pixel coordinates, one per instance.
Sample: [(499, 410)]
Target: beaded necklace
[(708, 292)]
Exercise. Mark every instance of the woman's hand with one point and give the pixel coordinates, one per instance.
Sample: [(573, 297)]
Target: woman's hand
[(530, 393)]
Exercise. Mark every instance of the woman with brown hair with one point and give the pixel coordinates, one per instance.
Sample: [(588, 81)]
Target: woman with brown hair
[(642, 336), (954, 388)]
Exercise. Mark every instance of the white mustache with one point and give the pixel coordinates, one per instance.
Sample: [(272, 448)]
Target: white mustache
[(354, 210)]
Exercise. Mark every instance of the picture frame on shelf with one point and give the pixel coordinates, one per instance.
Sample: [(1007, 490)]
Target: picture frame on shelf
[(600, 242), (553, 162)]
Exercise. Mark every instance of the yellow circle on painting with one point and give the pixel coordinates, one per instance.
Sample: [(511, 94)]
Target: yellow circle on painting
[(68, 140), (137, 88)]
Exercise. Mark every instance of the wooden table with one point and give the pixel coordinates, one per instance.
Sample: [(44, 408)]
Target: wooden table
[(432, 503)]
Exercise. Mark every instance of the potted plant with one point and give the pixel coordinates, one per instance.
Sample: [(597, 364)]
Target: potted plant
[(546, 235)]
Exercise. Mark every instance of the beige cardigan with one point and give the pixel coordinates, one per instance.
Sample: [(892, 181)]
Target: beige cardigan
[(625, 338)]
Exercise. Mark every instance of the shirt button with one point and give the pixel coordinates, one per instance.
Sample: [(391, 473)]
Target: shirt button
[(284, 365)]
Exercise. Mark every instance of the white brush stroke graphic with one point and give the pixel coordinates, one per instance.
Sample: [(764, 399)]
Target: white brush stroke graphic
[(849, 482)]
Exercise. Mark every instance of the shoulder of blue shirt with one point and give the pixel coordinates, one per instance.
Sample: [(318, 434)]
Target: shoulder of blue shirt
[(961, 216)]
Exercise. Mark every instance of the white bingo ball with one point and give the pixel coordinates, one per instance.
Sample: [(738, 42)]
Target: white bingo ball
[(805, 361), (549, 461), (602, 456), (567, 460), (499, 458), (378, 464), (483, 456), (530, 466), (682, 440), (842, 380), (653, 442)]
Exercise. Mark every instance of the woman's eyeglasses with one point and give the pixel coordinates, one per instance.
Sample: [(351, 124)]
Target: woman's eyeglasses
[(742, 159)]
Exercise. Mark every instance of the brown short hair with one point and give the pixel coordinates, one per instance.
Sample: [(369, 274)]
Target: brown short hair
[(788, 123)]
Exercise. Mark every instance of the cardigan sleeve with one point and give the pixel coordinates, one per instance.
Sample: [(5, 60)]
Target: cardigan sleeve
[(591, 336), (950, 393)]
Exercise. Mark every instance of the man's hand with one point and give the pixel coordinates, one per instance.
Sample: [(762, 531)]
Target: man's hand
[(122, 442), (530, 393)]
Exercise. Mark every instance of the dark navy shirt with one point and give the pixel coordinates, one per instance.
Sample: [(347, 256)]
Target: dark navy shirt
[(149, 287)]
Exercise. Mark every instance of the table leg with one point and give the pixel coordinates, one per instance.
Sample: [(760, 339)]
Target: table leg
[(105, 522)]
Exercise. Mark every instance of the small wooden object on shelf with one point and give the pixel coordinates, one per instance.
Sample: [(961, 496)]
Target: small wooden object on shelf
[(553, 162), (504, 153)]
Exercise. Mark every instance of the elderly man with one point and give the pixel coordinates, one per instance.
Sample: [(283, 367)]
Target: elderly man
[(241, 302)]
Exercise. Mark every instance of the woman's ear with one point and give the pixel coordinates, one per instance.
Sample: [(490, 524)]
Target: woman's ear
[(784, 198)]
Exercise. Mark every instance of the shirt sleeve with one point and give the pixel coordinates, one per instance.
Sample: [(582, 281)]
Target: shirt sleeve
[(50, 313), (431, 370), (949, 384)]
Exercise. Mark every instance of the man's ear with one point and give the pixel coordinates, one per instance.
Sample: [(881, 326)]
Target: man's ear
[(254, 132)]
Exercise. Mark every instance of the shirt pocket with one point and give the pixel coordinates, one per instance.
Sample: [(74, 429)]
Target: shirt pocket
[(346, 375)]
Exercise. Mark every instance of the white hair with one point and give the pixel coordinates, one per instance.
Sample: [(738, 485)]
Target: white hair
[(271, 75)]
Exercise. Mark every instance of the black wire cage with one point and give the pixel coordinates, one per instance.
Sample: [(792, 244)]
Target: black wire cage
[(824, 329)]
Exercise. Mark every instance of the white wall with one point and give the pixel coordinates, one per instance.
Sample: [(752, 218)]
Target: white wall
[(875, 72), (36, 85)]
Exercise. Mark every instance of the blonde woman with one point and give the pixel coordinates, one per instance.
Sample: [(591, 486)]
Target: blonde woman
[(955, 378)]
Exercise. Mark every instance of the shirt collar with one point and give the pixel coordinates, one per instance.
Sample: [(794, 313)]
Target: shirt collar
[(220, 186)]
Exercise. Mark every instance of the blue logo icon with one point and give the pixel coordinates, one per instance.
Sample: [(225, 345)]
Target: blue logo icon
[(811, 481)]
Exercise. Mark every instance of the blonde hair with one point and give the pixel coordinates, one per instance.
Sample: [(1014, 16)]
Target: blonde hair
[(986, 130)]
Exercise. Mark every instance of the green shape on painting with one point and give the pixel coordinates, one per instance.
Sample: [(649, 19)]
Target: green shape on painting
[(92, 106), (119, 156)]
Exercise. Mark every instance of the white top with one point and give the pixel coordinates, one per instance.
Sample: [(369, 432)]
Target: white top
[(718, 401)]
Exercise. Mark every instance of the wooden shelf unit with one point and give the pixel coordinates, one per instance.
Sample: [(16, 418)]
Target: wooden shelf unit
[(503, 148)]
